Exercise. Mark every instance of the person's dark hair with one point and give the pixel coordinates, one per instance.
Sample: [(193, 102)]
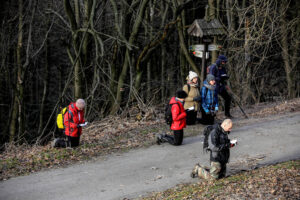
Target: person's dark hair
[(181, 94)]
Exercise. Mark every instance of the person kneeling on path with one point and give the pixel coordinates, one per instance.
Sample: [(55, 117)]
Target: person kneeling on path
[(218, 145), (179, 120), (209, 96), (73, 122)]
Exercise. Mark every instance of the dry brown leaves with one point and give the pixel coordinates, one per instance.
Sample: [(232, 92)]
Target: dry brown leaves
[(281, 181), (278, 108)]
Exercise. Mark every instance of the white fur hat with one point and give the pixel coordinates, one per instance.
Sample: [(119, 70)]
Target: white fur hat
[(192, 75)]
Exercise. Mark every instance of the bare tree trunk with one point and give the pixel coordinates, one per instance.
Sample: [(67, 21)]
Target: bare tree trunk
[(45, 90), (184, 49), (212, 15), (182, 58), (17, 107), (13, 122), (132, 38), (180, 30), (164, 10), (19, 96), (73, 18), (285, 53), (77, 12), (150, 62), (45, 81), (87, 12)]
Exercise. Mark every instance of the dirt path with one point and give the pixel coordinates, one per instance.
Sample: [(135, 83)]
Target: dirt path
[(137, 172)]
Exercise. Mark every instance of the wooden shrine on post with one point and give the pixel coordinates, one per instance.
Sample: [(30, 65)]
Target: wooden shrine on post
[(207, 31)]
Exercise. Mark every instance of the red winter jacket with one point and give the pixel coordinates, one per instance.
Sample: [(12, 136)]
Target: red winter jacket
[(71, 121), (178, 115)]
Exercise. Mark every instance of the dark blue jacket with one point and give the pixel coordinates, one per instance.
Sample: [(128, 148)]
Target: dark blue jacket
[(220, 75), (209, 98)]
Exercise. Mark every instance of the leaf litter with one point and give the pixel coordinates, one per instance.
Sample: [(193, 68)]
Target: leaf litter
[(280, 181)]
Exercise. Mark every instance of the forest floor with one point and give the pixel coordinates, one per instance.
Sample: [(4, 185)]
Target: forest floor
[(116, 135)]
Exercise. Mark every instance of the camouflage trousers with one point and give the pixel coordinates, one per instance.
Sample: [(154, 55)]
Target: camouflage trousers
[(215, 171)]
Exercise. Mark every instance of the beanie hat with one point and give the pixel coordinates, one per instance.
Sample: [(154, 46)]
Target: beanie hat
[(181, 94), (220, 59), (192, 75), (210, 77)]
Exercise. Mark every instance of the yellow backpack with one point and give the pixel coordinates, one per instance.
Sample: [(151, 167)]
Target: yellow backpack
[(60, 118)]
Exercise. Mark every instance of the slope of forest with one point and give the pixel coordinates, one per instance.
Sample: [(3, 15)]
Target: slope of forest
[(116, 135)]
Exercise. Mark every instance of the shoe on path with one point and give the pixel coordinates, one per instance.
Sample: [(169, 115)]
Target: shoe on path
[(158, 138)]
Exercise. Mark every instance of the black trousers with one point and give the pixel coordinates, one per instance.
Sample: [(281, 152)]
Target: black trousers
[(206, 119), (73, 141), (191, 117), (227, 98), (176, 139), (223, 170)]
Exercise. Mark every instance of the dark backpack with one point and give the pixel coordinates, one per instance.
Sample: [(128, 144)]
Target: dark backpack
[(59, 142), (207, 130), (168, 113)]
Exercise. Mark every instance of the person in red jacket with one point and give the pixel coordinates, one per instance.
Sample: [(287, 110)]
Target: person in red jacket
[(73, 122), (179, 120)]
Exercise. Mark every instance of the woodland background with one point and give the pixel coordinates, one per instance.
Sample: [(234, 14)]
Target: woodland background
[(125, 54)]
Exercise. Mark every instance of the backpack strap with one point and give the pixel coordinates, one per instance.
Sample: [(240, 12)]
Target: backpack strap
[(70, 120), (70, 112), (189, 88), (71, 115)]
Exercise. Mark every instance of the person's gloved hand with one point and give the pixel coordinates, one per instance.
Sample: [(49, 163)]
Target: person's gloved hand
[(78, 125), (197, 98)]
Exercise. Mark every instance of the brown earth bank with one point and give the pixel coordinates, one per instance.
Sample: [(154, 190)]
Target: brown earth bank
[(280, 181), (115, 135)]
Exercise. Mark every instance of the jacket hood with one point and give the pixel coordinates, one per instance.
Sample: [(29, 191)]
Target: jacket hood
[(220, 59), (73, 106), (173, 100), (208, 86)]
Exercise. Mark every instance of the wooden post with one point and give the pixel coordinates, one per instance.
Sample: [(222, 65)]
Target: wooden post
[(203, 69)]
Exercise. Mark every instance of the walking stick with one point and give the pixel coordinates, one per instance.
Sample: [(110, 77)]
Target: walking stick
[(239, 106), (235, 101), (229, 91)]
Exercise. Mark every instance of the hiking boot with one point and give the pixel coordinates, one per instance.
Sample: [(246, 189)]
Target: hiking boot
[(158, 138), (54, 143), (193, 175), (195, 171)]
